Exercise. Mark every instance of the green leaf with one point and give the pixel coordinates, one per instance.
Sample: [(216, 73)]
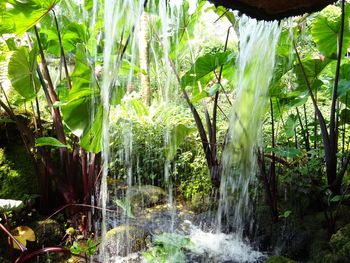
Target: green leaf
[(126, 206), (199, 96), (71, 34), (288, 152), (92, 137), (83, 113), (343, 92), (287, 213), (325, 30), (139, 107), (345, 70), (22, 72), (205, 65), (338, 198), (91, 247), (48, 141), (345, 116), (75, 248), (19, 16), (177, 136), (313, 68), (290, 125)]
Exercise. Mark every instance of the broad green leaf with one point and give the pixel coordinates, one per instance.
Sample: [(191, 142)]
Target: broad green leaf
[(91, 139), (205, 65), (126, 206), (75, 248), (22, 72), (293, 99), (48, 141), (82, 112), (345, 70), (223, 12), (344, 116), (343, 88), (326, 28), (344, 92), (177, 136), (199, 96), (313, 68), (71, 32), (338, 198), (19, 16), (91, 247), (290, 125), (286, 152)]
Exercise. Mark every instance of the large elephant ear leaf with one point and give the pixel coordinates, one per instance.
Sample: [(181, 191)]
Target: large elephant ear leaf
[(20, 16), (82, 113), (205, 65), (22, 72), (325, 30)]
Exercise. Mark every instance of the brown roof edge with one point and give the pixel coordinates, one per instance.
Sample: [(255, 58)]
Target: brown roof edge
[(273, 9)]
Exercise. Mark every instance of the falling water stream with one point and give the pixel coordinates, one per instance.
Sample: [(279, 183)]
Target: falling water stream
[(256, 60), (255, 63)]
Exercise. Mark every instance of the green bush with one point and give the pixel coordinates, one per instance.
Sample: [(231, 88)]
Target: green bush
[(147, 129)]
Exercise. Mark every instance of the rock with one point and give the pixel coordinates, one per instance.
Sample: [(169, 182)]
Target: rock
[(146, 196), (48, 232), (126, 239), (339, 247), (279, 259), (9, 204)]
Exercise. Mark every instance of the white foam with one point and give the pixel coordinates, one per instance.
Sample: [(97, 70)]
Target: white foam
[(222, 247)]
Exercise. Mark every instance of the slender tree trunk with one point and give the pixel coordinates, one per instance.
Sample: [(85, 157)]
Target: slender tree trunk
[(146, 90)]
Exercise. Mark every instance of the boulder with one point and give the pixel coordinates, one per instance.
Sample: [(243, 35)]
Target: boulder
[(48, 232), (125, 239), (279, 259), (146, 196)]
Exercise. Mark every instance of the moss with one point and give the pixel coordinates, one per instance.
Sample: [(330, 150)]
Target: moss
[(17, 174), (279, 259), (48, 232), (339, 251), (124, 239)]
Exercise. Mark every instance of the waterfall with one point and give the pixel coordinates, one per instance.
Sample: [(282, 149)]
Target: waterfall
[(115, 13), (255, 63), (255, 67)]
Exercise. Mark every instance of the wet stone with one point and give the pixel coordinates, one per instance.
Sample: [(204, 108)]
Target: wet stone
[(126, 239)]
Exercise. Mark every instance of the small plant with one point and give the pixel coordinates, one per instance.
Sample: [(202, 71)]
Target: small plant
[(168, 247), (86, 248)]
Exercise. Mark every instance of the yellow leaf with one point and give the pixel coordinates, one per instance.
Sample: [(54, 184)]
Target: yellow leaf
[(25, 232), (21, 240)]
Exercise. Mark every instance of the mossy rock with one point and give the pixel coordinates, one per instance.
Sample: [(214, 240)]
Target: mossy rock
[(48, 232), (146, 196), (338, 250), (279, 259), (17, 174), (126, 239)]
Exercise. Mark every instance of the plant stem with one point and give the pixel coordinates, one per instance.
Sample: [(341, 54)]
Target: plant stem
[(69, 83)]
